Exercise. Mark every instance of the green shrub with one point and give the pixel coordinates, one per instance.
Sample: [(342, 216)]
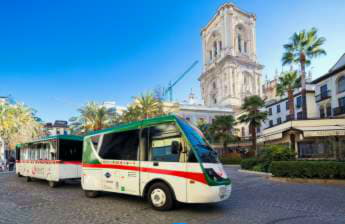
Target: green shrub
[(309, 169), (248, 164), (231, 158), (274, 153)]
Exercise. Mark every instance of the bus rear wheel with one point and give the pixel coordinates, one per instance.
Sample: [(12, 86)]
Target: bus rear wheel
[(28, 179), (19, 175), (52, 184), (91, 194), (160, 197)]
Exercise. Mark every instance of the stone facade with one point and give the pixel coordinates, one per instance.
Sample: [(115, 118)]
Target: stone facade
[(230, 70)]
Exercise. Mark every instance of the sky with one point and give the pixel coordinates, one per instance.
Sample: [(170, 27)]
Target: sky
[(57, 55)]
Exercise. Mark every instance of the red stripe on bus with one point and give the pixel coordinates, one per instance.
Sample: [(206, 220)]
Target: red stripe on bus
[(71, 162), (200, 177)]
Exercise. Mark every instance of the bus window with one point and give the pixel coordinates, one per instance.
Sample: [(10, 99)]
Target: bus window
[(120, 145), (161, 139), (70, 150)]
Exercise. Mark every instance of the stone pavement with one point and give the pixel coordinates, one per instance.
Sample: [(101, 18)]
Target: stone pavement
[(254, 200)]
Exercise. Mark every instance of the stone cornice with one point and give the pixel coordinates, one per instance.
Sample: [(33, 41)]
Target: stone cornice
[(236, 60)]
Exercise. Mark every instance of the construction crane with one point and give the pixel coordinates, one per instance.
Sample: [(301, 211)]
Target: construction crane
[(169, 91)]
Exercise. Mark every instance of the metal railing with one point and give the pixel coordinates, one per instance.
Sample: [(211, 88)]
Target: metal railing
[(323, 95), (339, 110)]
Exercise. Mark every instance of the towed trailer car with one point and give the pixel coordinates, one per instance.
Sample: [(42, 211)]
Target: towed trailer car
[(54, 158)]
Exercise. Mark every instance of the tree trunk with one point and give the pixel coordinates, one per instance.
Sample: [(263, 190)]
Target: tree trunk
[(291, 104), (252, 127), (303, 83)]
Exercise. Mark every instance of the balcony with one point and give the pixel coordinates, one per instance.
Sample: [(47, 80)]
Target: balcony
[(339, 110), (323, 95)]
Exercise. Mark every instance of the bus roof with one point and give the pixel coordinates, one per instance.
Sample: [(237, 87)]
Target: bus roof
[(57, 137), (135, 124)]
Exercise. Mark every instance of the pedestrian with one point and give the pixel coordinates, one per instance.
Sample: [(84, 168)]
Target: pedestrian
[(11, 162)]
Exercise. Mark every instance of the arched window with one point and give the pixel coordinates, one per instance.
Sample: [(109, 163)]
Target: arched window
[(214, 85), (215, 48), (341, 84), (239, 41)]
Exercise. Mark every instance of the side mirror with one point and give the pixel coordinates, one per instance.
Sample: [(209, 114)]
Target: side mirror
[(175, 147)]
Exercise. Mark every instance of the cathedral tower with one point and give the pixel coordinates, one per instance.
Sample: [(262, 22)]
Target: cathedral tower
[(230, 70)]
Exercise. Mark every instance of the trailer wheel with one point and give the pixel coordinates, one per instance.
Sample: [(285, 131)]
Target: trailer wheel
[(91, 194), (28, 179), (52, 184), (160, 197)]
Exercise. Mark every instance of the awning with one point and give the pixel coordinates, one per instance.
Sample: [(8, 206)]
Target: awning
[(323, 131)]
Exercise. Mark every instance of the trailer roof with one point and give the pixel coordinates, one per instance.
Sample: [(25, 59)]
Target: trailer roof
[(57, 137)]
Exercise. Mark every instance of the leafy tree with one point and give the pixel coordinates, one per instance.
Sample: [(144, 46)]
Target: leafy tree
[(143, 107), (17, 125), (287, 83), (253, 115), (205, 127), (303, 46), (221, 129), (92, 116)]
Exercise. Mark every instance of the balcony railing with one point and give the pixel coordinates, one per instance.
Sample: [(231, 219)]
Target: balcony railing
[(339, 110), (323, 95)]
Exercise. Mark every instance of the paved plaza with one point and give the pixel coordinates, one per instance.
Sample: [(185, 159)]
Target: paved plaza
[(254, 200)]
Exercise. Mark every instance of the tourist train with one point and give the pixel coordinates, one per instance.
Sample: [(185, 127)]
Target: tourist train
[(163, 159)]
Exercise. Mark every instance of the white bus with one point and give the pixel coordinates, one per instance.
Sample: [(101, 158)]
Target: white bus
[(54, 158), (163, 159)]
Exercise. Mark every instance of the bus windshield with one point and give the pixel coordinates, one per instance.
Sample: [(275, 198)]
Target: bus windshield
[(199, 143)]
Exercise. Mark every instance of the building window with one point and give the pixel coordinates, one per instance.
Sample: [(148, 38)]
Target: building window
[(329, 110), (210, 52), (245, 46), (300, 115), (341, 84), (243, 131), (278, 108), (239, 41), (188, 118), (279, 120), (215, 48), (270, 111), (220, 45), (341, 102), (271, 123), (287, 105), (323, 90), (322, 112), (287, 118), (299, 102), (258, 130)]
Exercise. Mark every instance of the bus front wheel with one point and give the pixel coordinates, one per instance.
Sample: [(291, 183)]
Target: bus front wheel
[(160, 197), (91, 194)]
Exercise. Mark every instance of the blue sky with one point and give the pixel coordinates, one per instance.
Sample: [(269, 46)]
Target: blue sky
[(57, 55)]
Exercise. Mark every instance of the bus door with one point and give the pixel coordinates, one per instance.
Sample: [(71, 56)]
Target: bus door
[(162, 158), (119, 152)]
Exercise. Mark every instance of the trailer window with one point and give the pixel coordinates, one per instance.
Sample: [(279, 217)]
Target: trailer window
[(120, 145), (70, 150)]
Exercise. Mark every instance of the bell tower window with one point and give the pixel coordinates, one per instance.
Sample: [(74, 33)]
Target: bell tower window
[(239, 41)]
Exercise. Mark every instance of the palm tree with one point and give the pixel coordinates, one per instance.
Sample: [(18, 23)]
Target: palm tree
[(17, 125), (148, 105), (303, 47), (92, 117), (253, 115), (287, 83), (143, 107), (221, 128)]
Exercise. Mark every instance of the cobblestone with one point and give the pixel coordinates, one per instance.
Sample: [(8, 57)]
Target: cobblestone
[(254, 200)]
